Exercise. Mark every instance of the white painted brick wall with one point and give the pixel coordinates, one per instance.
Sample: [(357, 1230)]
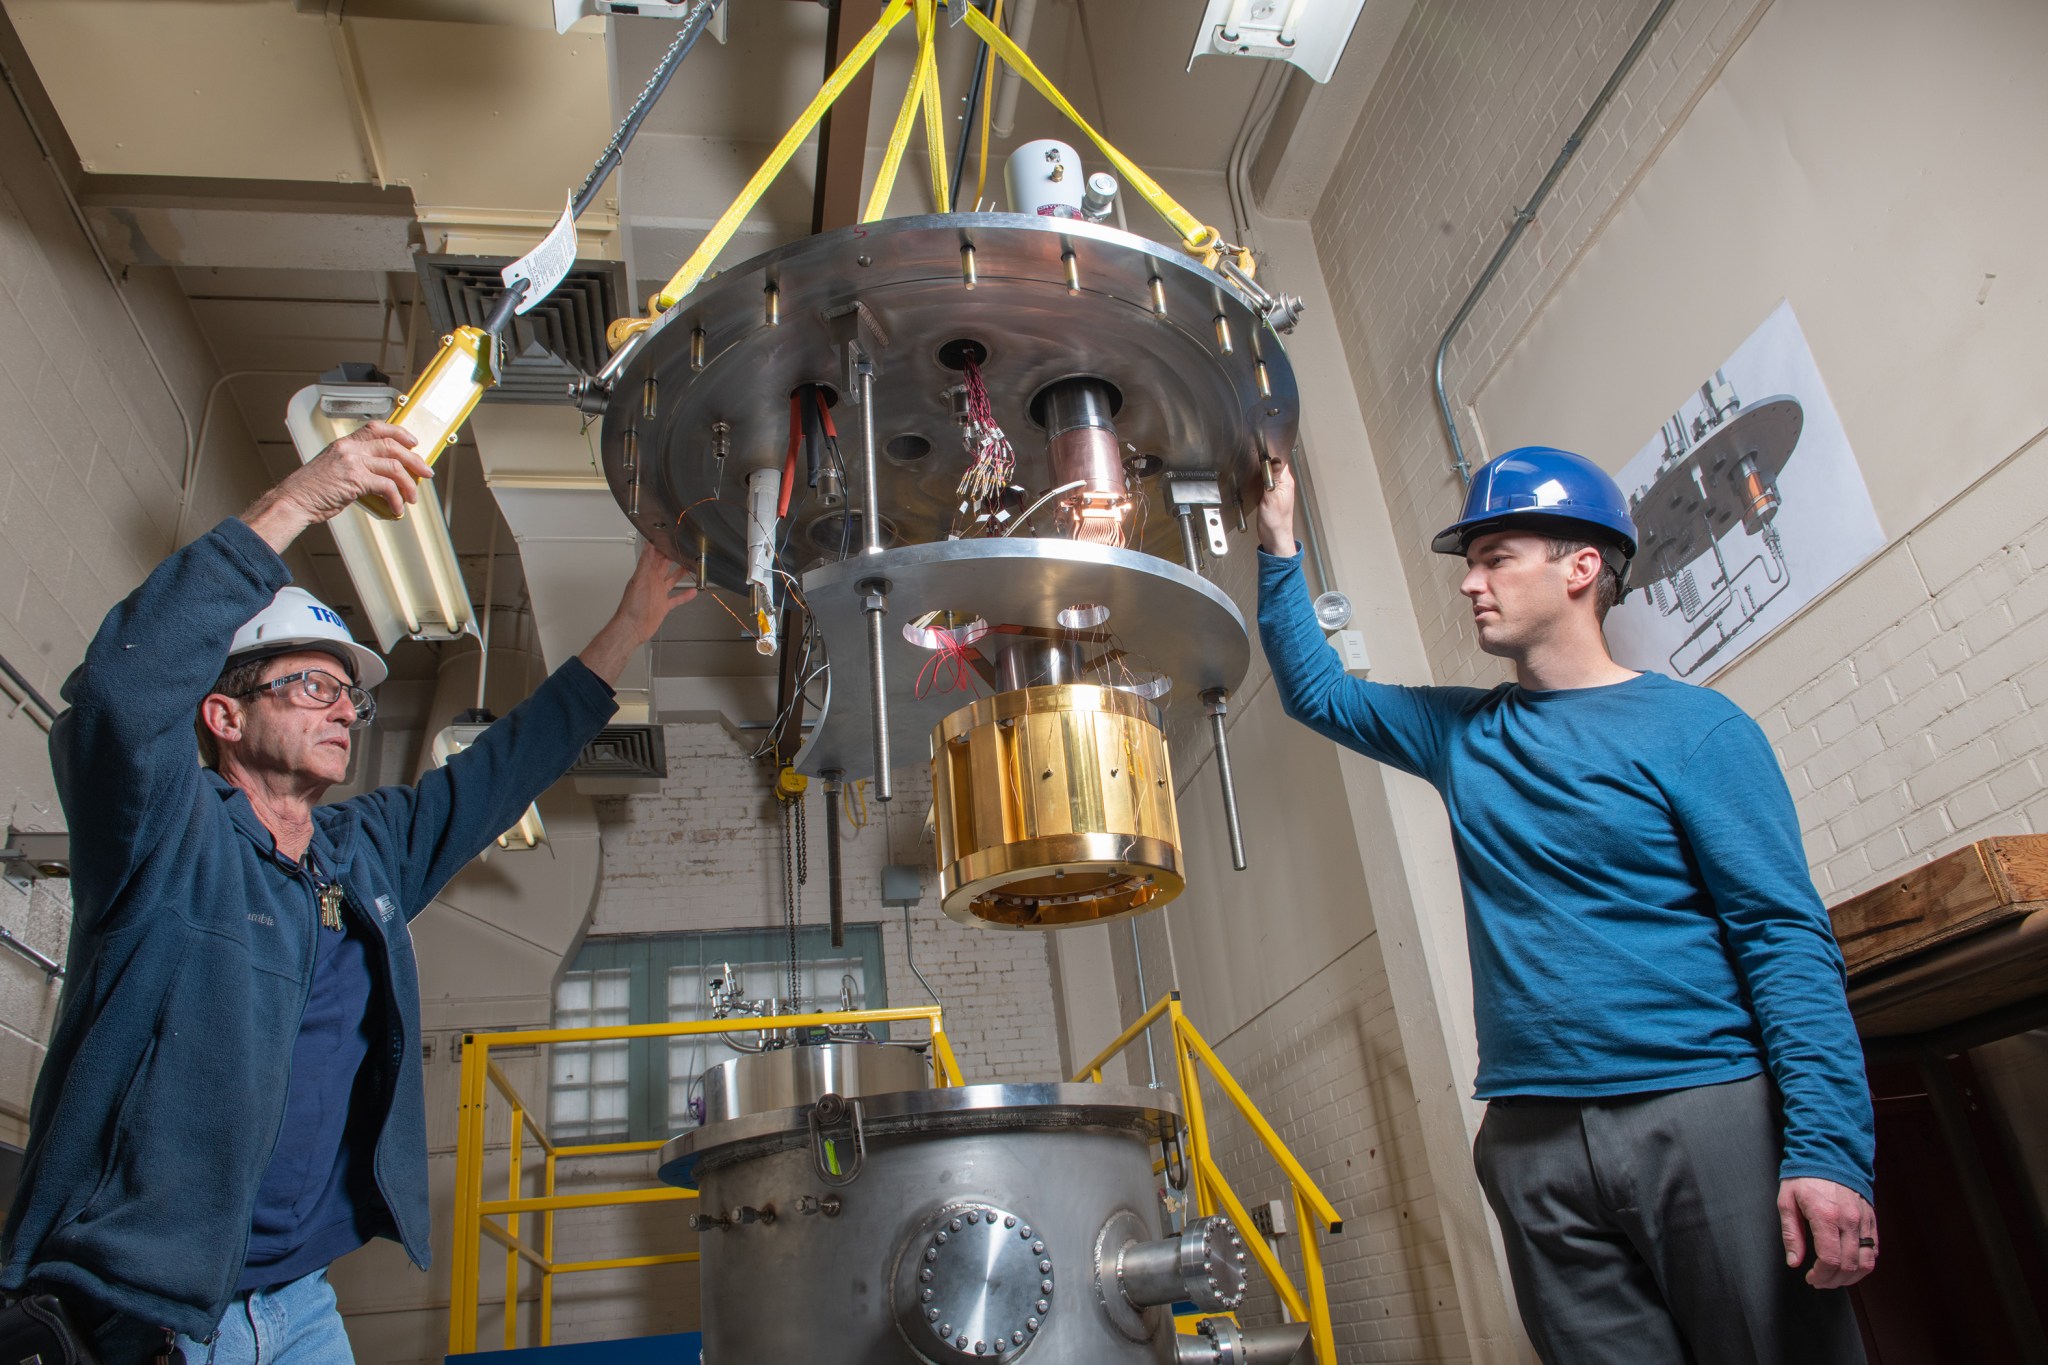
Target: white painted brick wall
[(1907, 705), (1931, 729), (1324, 1065), (1473, 106), (91, 454), (706, 853)]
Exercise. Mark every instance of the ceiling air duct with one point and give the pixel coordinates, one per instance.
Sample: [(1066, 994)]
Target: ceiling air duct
[(559, 339)]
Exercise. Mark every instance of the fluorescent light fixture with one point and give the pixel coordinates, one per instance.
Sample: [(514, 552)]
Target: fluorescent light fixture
[(529, 832), (1311, 34), (404, 570)]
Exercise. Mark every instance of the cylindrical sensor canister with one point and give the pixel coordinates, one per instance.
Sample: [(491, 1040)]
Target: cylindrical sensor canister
[(1045, 178), (764, 493)]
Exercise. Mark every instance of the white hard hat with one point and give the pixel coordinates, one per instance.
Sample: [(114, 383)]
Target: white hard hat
[(296, 620)]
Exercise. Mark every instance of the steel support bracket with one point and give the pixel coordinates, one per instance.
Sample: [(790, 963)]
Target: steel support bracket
[(860, 338)]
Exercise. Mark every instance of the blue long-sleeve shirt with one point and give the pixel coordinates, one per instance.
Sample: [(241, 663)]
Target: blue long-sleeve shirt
[(1637, 903)]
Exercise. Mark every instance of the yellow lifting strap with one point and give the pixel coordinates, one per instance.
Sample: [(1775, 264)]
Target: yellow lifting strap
[(923, 93), (988, 105), (934, 116), (1196, 237), (728, 223)]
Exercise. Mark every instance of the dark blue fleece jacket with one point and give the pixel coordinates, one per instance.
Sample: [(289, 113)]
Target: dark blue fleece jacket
[(191, 960)]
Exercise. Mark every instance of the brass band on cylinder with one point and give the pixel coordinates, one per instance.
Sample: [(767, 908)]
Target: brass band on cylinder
[(1054, 806)]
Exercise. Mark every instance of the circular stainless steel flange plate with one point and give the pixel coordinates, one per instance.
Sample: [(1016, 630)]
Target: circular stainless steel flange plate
[(1204, 383), (975, 1282), (1163, 622)]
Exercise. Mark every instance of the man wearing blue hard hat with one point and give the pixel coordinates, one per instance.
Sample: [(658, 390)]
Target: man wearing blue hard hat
[(1678, 1137)]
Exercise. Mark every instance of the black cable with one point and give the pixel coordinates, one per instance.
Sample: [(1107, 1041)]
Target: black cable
[(615, 150), (27, 689), (834, 878), (975, 95), (501, 313)]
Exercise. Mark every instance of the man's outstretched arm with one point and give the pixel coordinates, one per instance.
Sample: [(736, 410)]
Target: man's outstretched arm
[(1402, 726), (455, 811)]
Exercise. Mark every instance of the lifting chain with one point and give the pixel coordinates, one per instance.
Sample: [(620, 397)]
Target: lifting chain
[(792, 913), (686, 38), (803, 844), (790, 789)]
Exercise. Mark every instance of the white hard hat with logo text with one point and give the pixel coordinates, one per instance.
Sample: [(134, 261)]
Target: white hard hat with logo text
[(296, 620)]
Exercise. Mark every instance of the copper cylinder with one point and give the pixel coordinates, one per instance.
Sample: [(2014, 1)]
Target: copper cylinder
[(1054, 806), (1082, 447), (1080, 428), (1759, 496)]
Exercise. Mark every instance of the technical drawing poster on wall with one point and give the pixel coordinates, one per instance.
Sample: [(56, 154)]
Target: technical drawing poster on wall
[(1748, 505)]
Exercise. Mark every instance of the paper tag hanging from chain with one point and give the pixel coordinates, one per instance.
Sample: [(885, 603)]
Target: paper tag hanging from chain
[(547, 265)]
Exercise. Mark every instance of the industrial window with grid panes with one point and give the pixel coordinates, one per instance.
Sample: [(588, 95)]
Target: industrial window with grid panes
[(635, 1090)]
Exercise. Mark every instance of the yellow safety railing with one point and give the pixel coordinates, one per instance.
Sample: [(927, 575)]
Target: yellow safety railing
[(1314, 1215), (475, 1215)]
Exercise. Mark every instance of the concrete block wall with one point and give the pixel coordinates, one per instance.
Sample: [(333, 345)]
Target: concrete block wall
[(92, 450), (1325, 1066), (706, 853), (1473, 106)]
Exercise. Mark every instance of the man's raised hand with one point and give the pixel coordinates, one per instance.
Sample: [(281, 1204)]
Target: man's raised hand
[(377, 461), (657, 587), (1276, 513)]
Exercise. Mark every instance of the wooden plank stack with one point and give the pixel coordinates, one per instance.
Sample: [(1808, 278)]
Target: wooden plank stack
[(1965, 935)]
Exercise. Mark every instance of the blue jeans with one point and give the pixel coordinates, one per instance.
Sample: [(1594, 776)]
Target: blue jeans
[(292, 1324)]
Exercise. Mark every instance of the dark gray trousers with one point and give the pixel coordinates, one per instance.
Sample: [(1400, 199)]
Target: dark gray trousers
[(1644, 1229)]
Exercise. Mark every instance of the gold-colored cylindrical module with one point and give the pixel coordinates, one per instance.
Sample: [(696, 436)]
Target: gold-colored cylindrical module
[(1053, 807)]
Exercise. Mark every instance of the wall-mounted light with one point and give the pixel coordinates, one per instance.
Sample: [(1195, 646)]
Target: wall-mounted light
[(28, 856), (31, 855), (404, 570), (529, 832), (1311, 34)]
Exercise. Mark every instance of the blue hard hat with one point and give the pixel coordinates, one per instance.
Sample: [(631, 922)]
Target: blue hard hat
[(1546, 490)]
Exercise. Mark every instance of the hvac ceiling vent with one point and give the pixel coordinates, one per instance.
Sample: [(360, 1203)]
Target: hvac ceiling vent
[(562, 337), (622, 760)]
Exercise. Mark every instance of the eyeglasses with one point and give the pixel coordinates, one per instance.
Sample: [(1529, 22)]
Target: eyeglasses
[(316, 687)]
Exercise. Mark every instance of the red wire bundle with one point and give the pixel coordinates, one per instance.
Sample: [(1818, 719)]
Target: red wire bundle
[(991, 459), (951, 665)]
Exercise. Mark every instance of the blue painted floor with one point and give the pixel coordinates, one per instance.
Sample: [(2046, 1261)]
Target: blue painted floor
[(684, 1348)]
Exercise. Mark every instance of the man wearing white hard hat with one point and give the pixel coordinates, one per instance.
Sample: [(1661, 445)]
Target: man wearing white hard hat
[(233, 1095)]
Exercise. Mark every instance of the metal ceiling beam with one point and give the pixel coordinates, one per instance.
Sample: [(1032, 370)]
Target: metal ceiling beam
[(843, 136)]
